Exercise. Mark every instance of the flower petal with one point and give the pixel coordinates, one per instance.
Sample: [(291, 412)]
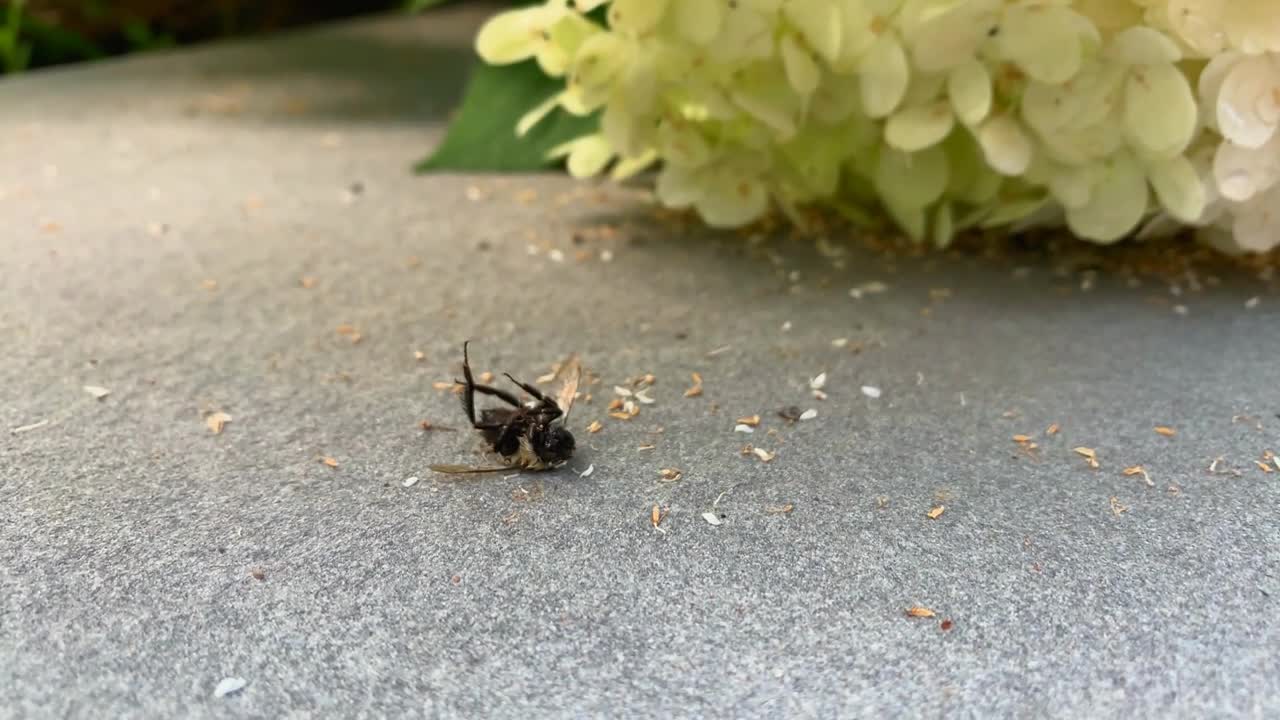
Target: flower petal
[(1178, 188), (1160, 111), (916, 128), (516, 35), (636, 17), (802, 72), (1249, 102), (969, 87), (1117, 204), (885, 76), (819, 23), (1005, 145), (698, 21)]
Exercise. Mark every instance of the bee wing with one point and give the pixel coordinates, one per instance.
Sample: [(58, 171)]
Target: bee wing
[(465, 469), (567, 379)]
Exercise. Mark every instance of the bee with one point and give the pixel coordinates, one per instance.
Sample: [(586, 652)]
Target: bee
[(527, 435)]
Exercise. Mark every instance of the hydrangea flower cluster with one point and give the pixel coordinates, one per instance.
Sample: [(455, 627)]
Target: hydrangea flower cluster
[(1113, 117)]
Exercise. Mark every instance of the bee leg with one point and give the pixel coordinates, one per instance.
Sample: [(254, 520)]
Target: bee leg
[(500, 394), (471, 388), (549, 408)]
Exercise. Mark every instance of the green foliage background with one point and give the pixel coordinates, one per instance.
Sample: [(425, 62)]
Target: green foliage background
[(38, 33)]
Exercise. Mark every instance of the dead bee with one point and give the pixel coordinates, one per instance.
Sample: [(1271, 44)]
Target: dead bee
[(528, 436)]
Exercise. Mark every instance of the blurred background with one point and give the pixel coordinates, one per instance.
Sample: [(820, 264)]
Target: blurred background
[(41, 33)]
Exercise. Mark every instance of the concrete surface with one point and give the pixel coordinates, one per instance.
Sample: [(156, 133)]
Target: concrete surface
[(160, 213)]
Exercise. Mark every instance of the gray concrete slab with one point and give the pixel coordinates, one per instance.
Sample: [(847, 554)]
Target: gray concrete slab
[(160, 213)]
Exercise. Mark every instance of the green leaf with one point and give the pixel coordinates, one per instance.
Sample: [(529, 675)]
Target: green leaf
[(414, 6), (483, 134)]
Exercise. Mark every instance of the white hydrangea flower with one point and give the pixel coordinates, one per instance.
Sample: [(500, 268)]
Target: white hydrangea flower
[(1111, 117)]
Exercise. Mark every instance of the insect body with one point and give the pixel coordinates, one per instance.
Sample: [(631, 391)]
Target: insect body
[(529, 435)]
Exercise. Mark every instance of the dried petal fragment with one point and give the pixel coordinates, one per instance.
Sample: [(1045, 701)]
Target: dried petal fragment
[(764, 455), (1139, 470), (920, 612), (1165, 431), (752, 420), (1088, 454), (936, 513), (671, 474), (329, 461), (696, 389), (595, 427), (217, 421), (1053, 429)]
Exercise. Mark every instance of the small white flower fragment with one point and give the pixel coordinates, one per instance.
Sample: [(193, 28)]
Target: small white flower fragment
[(229, 686), (871, 391), (764, 455), (743, 428), (556, 255), (410, 481), (606, 256), (643, 398), (587, 473), (624, 392), (871, 288), (819, 395), (28, 428), (819, 382), (1252, 302), (809, 414), (97, 392), (711, 518), (786, 326), (840, 342)]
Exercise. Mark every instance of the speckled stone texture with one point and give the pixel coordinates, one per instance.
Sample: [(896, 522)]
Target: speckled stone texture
[(160, 214)]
